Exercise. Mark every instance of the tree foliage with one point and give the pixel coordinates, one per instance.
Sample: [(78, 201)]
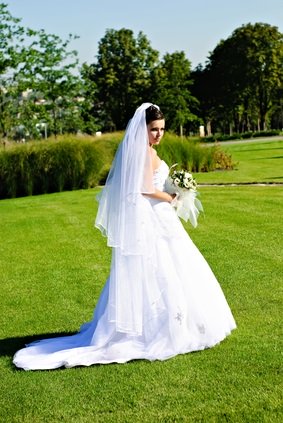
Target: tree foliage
[(122, 75), (171, 89), (239, 89), (244, 73), (11, 39), (91, 123), (48, 70), (37, 79)]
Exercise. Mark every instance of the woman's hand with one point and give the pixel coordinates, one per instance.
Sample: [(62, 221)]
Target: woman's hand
[(162, 196), (173, 198)]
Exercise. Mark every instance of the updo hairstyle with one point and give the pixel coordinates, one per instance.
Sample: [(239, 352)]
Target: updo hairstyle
[(153, 113)]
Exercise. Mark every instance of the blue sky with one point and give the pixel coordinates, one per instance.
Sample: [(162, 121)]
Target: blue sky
[(194, 26)]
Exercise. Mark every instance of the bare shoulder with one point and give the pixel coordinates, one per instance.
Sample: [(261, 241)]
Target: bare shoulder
[(153, 153)]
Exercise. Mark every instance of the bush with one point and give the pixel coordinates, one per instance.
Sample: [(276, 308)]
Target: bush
[(83, 162), (231, 137), (192, 155), (246, 135), (269, 133), (222, 160), (52, 166), (210, 138), (240, 136)]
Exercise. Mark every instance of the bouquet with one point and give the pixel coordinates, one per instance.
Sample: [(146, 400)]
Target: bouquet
[(186, 203)]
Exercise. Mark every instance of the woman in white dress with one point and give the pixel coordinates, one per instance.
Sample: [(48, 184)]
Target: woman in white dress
[(161, 298)]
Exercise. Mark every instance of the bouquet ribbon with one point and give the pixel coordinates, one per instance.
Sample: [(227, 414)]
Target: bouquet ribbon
[(186, 203)]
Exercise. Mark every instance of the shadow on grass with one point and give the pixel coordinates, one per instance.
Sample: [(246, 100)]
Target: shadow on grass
[(257, 149), (9, 346), (267, 158), (275, 177)]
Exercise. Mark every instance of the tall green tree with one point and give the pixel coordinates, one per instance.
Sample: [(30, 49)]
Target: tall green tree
[(89, 114), (12, 35), (48, 69), (122, 74), (37, 78), (246, 71), (277, 111), (171, 88), (11, 48), (202, 89)]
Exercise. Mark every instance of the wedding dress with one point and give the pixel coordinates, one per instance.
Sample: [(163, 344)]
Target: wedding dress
[(175, 305)]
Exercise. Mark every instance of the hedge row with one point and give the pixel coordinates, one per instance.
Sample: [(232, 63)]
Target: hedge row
[(45, 167), (241, 136), (75, 163)]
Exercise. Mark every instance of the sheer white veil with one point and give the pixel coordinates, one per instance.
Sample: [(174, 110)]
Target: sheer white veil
[(124, 216), (129, 177)]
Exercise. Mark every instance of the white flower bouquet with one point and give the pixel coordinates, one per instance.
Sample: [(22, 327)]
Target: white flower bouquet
[(186, 203)]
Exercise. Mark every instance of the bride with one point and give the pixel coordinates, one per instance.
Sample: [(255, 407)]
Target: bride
[(161, 298)]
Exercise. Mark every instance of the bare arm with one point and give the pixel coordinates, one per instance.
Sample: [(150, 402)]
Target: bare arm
[(161, 195)]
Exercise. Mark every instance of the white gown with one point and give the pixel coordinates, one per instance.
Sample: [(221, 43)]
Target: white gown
[(182, 306)]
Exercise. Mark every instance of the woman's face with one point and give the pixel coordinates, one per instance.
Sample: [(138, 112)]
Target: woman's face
[(155, 131)]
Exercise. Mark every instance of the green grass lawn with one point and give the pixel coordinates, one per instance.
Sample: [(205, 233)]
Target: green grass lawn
[(53, 265), (255, 162)]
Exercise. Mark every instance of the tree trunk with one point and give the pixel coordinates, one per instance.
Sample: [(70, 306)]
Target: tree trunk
[(55, 120), (208, 128)]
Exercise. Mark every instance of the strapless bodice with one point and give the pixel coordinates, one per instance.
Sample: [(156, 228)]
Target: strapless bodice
[(160, 175)]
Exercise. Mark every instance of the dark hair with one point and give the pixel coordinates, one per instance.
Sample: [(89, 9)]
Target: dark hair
[(153, 113)]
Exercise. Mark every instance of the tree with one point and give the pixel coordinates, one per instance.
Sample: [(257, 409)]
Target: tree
[(47, 69), (89, 93), (122, 75), (172, 90), (11, 39), (42, 65), (202, 89), (246, 72), (277, 111)]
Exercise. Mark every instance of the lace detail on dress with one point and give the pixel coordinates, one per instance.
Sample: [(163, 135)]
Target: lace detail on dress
[(179, 317)]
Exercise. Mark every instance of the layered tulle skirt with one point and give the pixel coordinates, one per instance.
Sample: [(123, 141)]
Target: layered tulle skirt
[(154, 305)]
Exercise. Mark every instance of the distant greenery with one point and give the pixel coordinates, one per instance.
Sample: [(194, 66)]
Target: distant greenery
[(242, 136), (44, 91), (74, 162), (53, 264), (240, 87)]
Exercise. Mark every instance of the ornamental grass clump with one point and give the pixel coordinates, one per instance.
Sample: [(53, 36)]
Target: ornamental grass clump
[(78, 162), (193, 155), (45, 167)]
